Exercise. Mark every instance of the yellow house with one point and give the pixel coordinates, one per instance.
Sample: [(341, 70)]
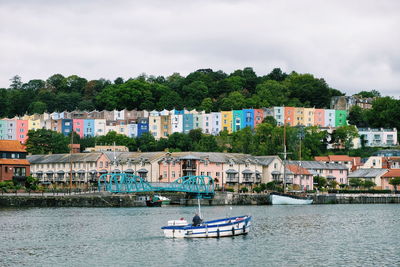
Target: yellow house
[(298, 116), (33, 121), (226, 121), (309, 116)]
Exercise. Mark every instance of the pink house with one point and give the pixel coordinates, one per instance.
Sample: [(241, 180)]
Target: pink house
[(78, 125), (392, 173), (299, 177), (258, 116), (22, 131), (331, 171), (319, 117)]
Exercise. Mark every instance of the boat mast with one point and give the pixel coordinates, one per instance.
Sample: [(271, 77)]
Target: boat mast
[(284, 157), (198, 203)]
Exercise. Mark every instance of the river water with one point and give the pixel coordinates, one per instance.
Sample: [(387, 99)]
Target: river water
[(315, 235)]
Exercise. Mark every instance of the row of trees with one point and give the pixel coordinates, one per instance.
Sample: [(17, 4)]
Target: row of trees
[(266, 139), (203, 89)]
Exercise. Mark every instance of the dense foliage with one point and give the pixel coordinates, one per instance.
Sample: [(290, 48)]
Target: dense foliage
[(203, 89)]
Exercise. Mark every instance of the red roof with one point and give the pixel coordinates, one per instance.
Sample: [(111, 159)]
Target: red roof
[(297, 169), (321, 158), (14, 162), (392, 173), (328, 158), (11, 146)]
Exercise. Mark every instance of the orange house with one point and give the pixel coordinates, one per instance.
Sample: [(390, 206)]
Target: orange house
[(13, 162), (289, 116)]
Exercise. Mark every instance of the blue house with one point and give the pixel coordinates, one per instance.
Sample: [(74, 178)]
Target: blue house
[(143, 126), (178, 112), (247, 118), (66, 126), (237, 120), (88, 128), (187, 123)]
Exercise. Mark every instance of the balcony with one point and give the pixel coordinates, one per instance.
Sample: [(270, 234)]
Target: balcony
[(232, 180)]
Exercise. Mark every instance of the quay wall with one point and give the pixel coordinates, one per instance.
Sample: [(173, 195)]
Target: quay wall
[(221, 198)]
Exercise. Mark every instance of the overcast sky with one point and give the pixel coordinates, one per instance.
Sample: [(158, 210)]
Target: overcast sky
[(353, 45)]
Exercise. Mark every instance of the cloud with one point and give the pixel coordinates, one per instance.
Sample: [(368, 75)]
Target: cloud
[(353, 45)]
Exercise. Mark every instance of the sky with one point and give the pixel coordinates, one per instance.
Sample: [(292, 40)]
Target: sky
[(353, 45)]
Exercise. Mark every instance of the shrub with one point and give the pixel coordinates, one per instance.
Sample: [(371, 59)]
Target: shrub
[(257, 189)]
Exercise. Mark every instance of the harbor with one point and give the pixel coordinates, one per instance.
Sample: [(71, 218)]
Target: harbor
[(311, 235)]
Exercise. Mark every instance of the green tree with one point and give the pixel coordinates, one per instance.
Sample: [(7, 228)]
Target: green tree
[(235, 100), (343, 136), (272, 93), (207, 143), (395, 182), (372, 93), (243, 141), (277, 75), (44, 141), (368, 184), (333, 184), (355, 182), (207, 104), (357, 116), (16, 82), (37, 107), (320, 181)]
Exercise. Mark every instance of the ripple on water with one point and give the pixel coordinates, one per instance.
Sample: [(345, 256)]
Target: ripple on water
[(330, 235)]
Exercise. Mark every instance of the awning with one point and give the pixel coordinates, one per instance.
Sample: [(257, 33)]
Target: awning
[(142, 170), (330, 177), (92, 171), (275, 173), (103, 171), (60, 172), (231, 171), (116, 171), (247, 171), (49, 172), (129, 171), (39, 172), (81, 171), (257, 172)]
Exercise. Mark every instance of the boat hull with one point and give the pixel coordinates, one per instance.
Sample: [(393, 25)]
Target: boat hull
[(150, 203), (288, 200), (212, 229)]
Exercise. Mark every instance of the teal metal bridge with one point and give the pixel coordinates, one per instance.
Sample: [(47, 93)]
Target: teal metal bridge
[(128, 183)]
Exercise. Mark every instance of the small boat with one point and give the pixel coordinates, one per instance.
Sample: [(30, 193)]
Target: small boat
[(153, 202), (286, 199), (164, 200), (233, 226)]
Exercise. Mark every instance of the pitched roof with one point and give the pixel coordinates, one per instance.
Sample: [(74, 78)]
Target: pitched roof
[(11, 146), (296, 169), (392, 173), (319, 165), (367, 173), (64, 158), (321, 158), (14, 162)]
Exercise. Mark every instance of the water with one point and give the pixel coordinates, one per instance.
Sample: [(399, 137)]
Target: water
[(316, 235)]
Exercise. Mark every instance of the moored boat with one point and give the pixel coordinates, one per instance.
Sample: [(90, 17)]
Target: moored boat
[(232, 226), (286, 199)]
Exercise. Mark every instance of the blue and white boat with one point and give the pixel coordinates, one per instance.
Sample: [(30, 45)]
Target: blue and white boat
[(232, 226)]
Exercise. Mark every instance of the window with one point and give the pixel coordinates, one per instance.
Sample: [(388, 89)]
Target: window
[(209, 173), (173, 174), (217, 174), (165, 174)]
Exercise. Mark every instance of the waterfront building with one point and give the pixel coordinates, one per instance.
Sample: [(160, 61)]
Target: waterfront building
[(237, 120), (352, 163), (13, 163), (289, 113), (340, 118), (121, 127), (279, 114), (374, 175), (8, 129), (346, 102), (258, 116), (329, 118), (3, 130), (391, 174), (56, 168), (187, 122), (226, 121), (272, 168), (143, 126), (378, 137), (309, 114), (247, 118), (319, 117), (268, 112), (119, 115), (299, 177), (111, 126), (95, 114), (21, 130), (331, 171), (216, 123)]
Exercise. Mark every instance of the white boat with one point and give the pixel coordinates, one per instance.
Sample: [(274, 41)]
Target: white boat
[(283, 199), (233, 226)]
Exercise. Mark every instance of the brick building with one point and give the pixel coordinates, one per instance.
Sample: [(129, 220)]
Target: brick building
[(13, 162)]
